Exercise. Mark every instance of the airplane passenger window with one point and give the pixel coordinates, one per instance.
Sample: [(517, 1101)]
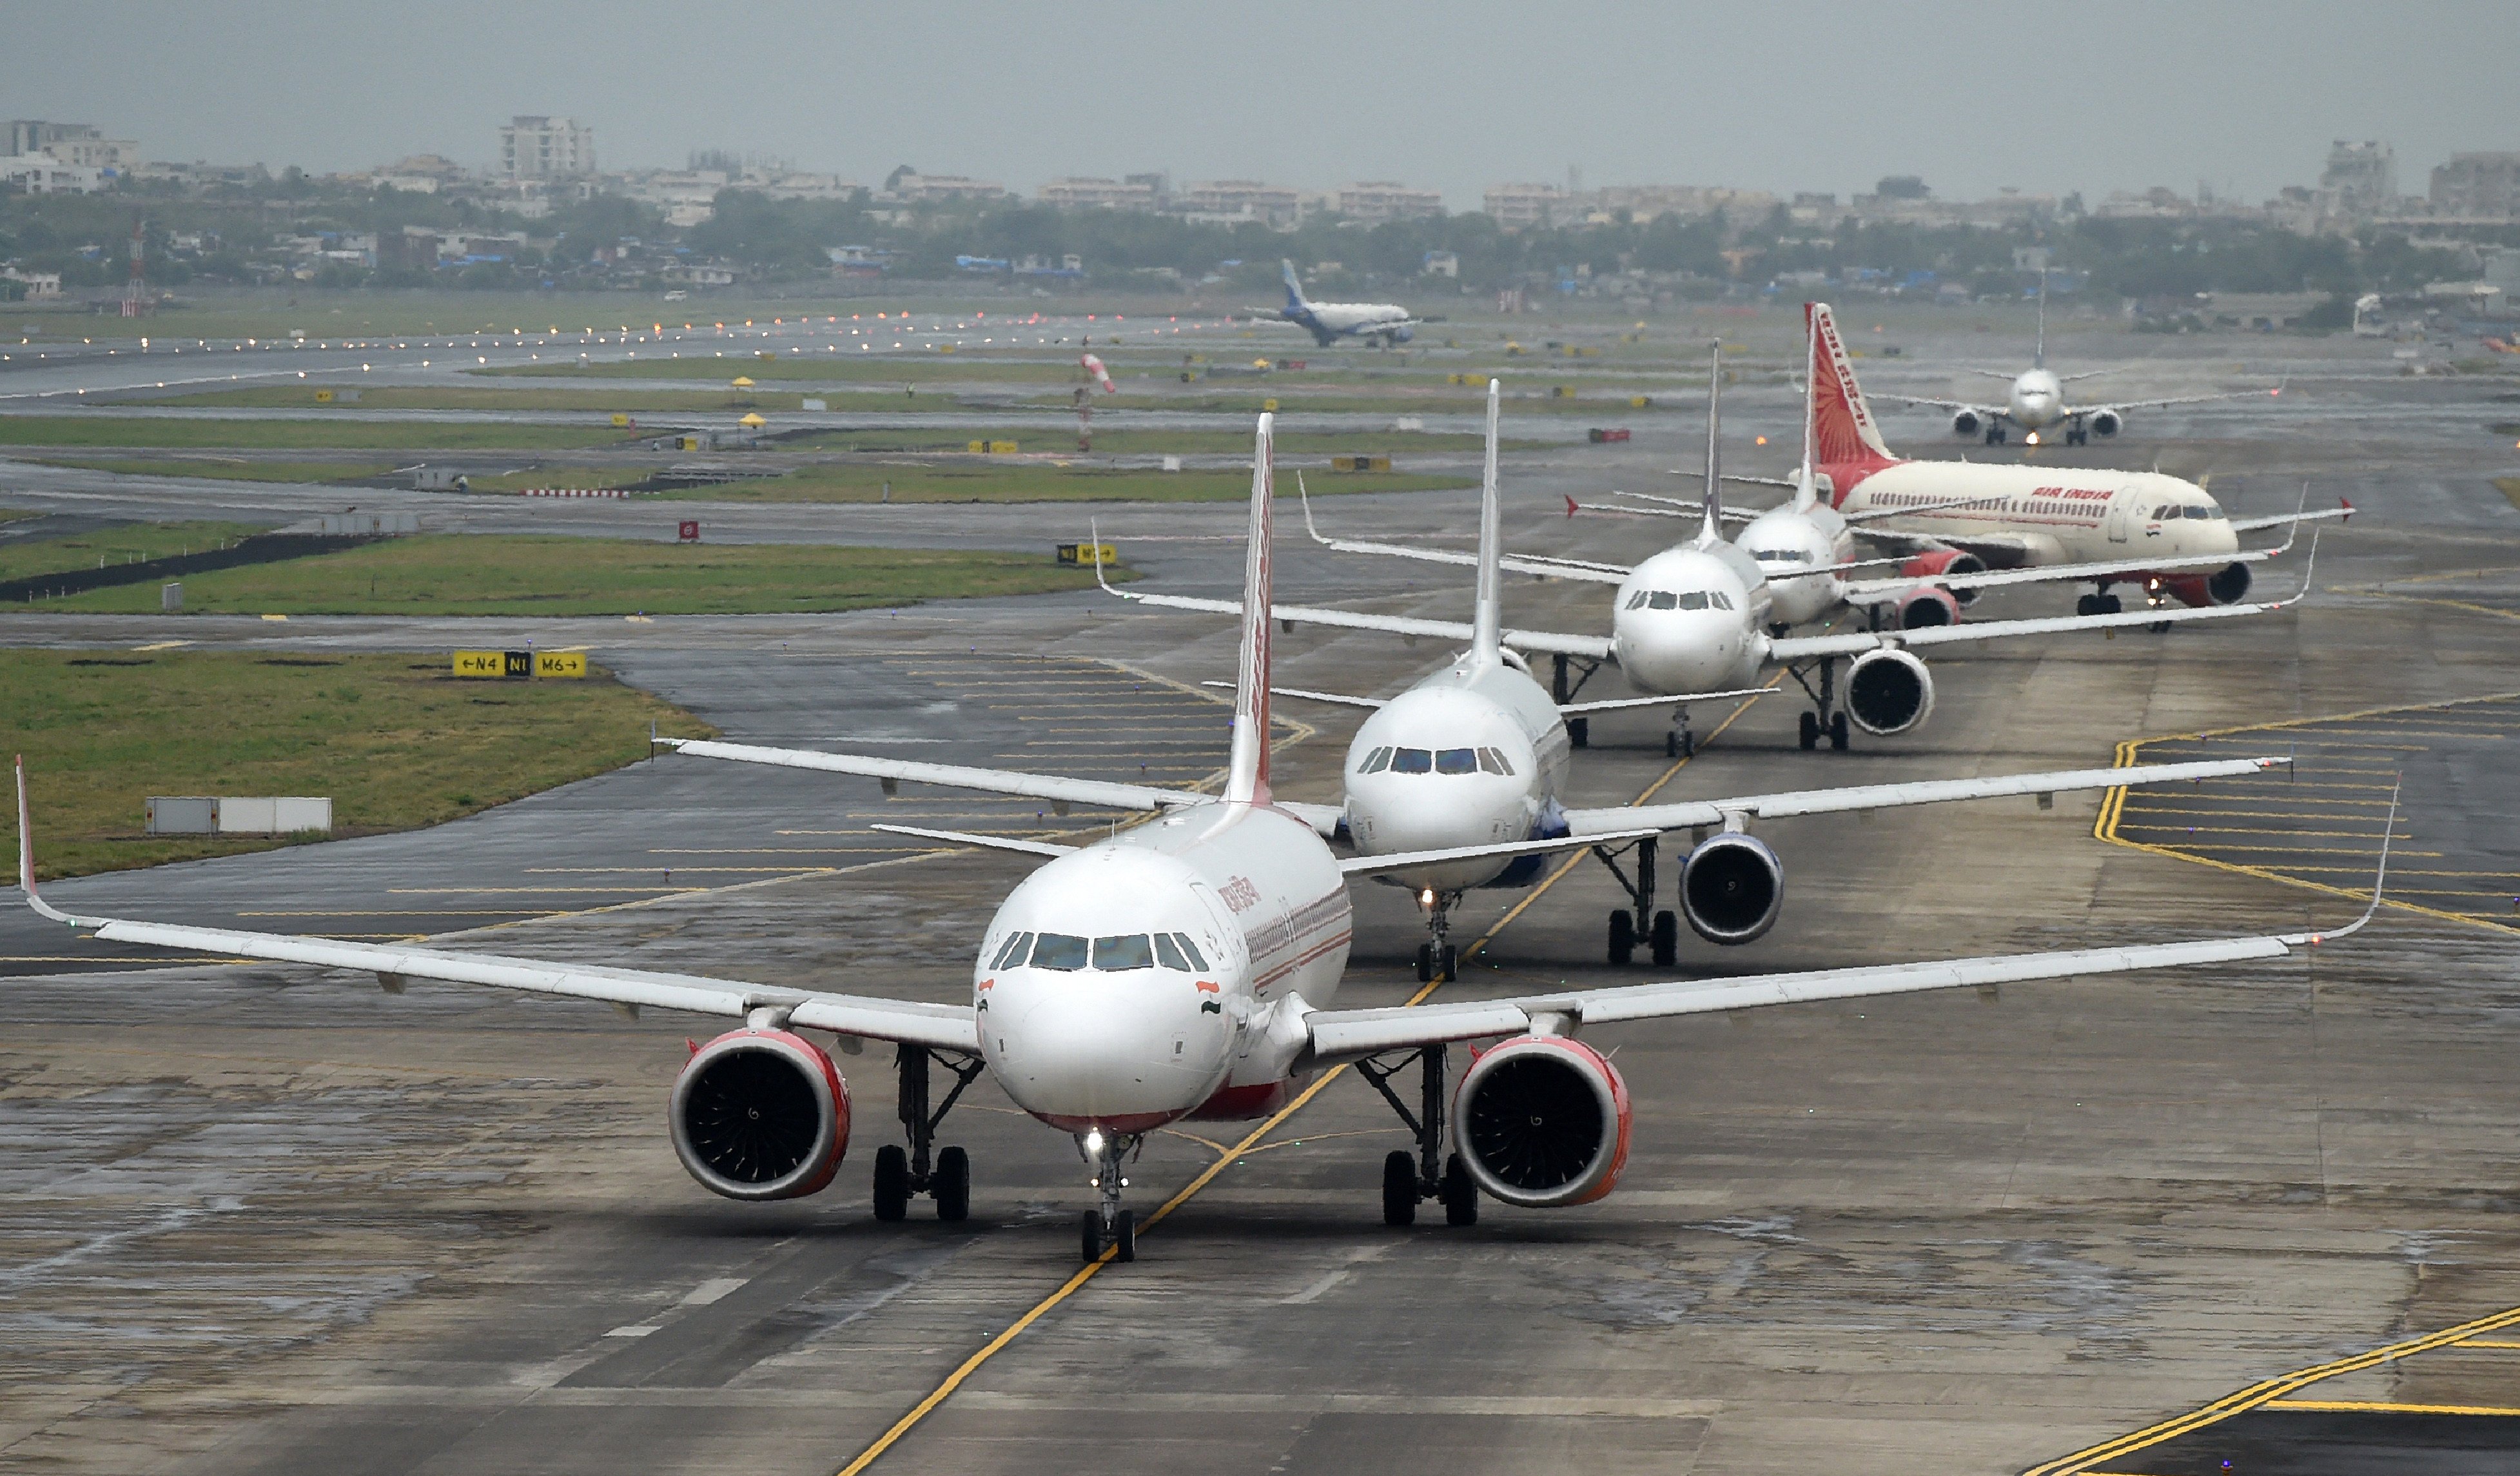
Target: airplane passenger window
[(1191, 952), (1013, 950), (1456, 761), (1375, 761), (1129, 951), (1412, 761), (1169, 954), (1057, 950), (1695, 599)]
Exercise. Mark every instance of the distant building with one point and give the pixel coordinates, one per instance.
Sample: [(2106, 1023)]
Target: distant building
[(2478, 187), (930, 189), (36, 283), (1522, 206), (2363, 177), (1224, 201), (1645, 202), (44, 174), (1375, 201), (546, 148), (1090, 194), (81, 145)]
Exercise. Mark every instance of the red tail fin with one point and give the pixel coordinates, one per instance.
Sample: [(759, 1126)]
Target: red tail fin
[(1842, 428)]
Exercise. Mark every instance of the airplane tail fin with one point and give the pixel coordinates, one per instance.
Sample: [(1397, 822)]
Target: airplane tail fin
[(1488, 619), (1246, 776), (1711, 531), (1842, 428), (2039, 349), (1294, 287)]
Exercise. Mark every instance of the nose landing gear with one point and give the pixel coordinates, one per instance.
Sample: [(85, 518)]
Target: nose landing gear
[(1109, 1227), (1680, 742), (1431, 1174), (899, 1175), (1436, 959)]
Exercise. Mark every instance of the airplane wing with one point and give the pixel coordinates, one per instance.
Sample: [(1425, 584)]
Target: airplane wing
[(1411, 860), (2341, 511), (1056, 788), (1553, 643), (1991, 412), (984, 841), (1564, 568), (946, 1027), (1569, 709), (2176, 400), (1691, 814), (1877, 592)]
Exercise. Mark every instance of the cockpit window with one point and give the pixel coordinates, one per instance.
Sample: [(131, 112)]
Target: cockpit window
[(1375, 761), (1720, 600), (1493, 762), (1057, 950), (2206, 510), (1129, 951), (1412, 761), (1169, 954), (1012, 950), (1637, 601), (1189, 950), (1457, 761)]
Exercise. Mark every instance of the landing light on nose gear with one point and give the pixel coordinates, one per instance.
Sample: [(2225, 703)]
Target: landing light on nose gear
[(1109, 1227), (1436, 959)]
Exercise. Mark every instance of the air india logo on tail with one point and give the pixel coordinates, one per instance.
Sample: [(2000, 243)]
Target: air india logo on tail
[(1843, 432)]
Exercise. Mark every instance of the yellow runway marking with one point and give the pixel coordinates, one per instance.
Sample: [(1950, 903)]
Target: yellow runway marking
[(2268, 1392), (2487, 1343), (1069, 1288), (2376, 1407)]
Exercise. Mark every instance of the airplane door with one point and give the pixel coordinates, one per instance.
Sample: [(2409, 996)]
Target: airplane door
[(2121, 515)]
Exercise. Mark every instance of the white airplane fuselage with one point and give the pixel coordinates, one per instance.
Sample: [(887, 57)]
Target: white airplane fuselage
[(1692, 619), (1473, 755), (2036, 400), (1786, 542), (2060, 515), (1328, 322), (1093, 1016)]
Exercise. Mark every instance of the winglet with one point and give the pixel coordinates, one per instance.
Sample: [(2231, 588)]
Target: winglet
[(1570, 507), (2309, 563), (1094, 531), (1246, 779), (2379, 883), (27, 854), (1304, 495), (2346, 503)]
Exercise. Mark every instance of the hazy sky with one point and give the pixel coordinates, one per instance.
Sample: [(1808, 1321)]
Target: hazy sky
[(1793, 94)]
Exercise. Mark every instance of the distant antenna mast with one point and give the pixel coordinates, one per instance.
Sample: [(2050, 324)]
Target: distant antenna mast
[(135, 294)]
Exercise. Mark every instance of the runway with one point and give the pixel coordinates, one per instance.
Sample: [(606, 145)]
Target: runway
[(263, 1219)]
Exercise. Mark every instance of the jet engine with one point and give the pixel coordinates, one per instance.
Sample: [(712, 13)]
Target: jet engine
[(1927, 605), (2227, 585), (1543, 1120), (1967, 423), (1731, 888), (760, 1114), (2107, 423), (1888, 691), (1945, 563)]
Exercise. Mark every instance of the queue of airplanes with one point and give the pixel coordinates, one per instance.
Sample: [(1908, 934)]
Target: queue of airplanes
[(1188, 967)]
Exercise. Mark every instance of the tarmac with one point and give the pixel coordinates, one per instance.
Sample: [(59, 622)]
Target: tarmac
[(263, 1219)]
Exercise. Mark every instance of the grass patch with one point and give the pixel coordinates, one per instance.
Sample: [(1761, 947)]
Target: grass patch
[(2510, 487), (455, 575), (116, 545), (1299, 402), (601, 400), (825, 368), (224, 469), (1036, 481), (393, 739), (1057, 437), (107, 430), (17, 514)]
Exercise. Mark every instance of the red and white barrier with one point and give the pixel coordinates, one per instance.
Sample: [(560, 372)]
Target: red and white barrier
[(575, 491)]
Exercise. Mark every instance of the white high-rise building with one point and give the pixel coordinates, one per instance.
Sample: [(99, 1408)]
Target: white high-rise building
[(546, 148)]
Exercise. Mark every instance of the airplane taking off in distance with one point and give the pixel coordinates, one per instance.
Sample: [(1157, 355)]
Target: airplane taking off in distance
[(2035, 400), (1180, 969), (1964, 519), (1382, 324)]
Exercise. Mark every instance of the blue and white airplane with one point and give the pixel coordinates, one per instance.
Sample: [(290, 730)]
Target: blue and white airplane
[(1382, 324)]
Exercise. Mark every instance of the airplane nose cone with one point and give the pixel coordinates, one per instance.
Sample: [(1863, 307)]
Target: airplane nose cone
[(1124, 1051), (1683, 651)]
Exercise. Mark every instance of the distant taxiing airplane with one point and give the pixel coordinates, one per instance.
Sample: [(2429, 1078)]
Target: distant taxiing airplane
[(2036, 401), (1382, 324)]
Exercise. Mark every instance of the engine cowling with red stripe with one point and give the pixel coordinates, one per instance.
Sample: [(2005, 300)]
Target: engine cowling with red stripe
[(759, 1114), (2227, 585), (1543, 1120), (1945, 563)]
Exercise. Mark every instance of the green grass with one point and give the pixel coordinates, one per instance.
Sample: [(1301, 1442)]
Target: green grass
[(455, 575), (1060, 436), (107, 430), (2510, 487), (17, 514), (224, 468), (393, 739), (115, 545), (503, 398), (828, 368), (980, 481)]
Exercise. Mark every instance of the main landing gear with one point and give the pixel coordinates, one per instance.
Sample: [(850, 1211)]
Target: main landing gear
[(899, 1175), (1829, 719), (1659, 930), (1995, 433), (2098, 604), (1436, 961), (1579, 730), (1109, 1227), (1430, 1173)]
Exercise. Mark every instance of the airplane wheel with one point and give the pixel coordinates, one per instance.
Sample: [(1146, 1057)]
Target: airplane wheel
[(1124, 1235), (1810, 731), (1623, 937), (891, 1182), (1671, 745), (1425, 963), (1579, 731), (2161, 627), (953, 1185), (2110, 605), (2088, 604), (1837, 732), (1090, 1237), (1398, 1189), (1450, 964), (1461, 1196), (1666, 939)]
